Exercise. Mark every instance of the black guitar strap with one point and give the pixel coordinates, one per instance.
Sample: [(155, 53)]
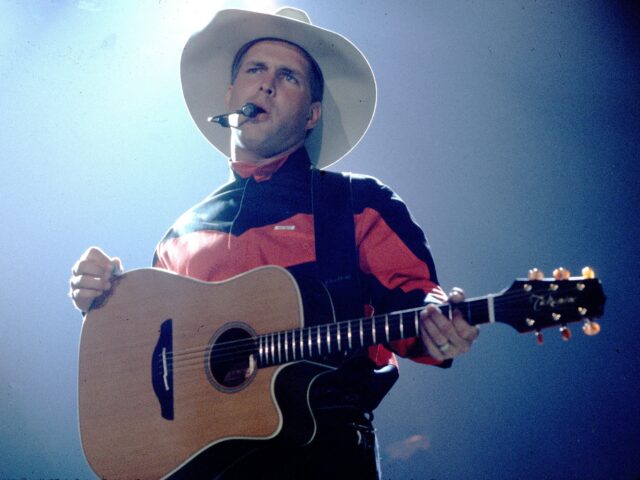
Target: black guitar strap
[(336, 251), (338, 268)]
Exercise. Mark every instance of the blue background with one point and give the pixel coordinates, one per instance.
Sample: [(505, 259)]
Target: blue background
[(509, 127)]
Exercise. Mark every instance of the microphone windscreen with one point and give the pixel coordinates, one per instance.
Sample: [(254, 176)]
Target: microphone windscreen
[(250, 110)]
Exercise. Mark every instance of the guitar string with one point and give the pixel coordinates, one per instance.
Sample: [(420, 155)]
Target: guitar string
[(342, 325), (241, 348), (232, 346), (241, 356)]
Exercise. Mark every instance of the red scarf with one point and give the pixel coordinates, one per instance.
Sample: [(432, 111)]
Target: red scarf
[(259, 173)]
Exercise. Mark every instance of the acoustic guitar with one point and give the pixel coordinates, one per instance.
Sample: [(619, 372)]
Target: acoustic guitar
[(176, 373)]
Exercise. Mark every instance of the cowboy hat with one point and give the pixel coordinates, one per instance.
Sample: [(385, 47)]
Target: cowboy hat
[(349, 85)]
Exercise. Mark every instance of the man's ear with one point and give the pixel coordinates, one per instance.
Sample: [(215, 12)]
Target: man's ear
[(315, 113)]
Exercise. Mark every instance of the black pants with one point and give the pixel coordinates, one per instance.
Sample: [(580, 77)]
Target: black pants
[(343, 448)]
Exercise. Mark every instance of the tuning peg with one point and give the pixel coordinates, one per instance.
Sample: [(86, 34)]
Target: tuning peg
[(561, 273), (589, 273), (590, 327), (535, 274), (565, 333), (539, 337)]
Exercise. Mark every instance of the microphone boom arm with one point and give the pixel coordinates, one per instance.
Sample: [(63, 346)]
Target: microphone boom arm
[(249, 110)]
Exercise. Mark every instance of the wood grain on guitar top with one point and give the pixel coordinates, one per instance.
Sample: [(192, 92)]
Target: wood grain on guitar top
[(119, 412)]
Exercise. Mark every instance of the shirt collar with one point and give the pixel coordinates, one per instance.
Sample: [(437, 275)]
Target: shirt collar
[(265, 171)]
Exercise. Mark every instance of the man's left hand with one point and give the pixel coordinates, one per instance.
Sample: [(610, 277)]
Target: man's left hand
[(444, 337)]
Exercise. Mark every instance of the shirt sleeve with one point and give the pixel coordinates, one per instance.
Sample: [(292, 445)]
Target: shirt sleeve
[(395, 261)]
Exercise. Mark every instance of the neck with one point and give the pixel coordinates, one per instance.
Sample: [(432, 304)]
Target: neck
[(240, 154)]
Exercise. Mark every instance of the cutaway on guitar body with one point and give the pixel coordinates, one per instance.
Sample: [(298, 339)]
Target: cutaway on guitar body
[(292, 386)]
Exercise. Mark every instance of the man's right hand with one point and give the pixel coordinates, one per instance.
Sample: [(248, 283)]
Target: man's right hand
[(91, 277)]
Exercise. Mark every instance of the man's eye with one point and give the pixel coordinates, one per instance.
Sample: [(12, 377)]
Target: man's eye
[(253, 70), (290, 78)]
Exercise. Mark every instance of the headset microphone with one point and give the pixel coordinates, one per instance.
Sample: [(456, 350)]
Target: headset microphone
[(249, 110)]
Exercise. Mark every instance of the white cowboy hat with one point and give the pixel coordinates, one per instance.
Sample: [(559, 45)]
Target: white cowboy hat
[(349, 85)]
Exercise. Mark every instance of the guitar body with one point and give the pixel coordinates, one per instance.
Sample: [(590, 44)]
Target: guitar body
[(144, 414)]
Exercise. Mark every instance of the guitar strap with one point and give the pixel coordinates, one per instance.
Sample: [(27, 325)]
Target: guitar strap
[(339, 271), (336, 251)]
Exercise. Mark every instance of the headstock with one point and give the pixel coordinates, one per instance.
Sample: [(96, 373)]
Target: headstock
[(536, 303)]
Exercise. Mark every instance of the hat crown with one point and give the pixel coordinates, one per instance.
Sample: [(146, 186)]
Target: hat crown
[(294, 14)]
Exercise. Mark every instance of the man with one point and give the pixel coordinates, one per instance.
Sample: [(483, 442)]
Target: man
[(313, 95)]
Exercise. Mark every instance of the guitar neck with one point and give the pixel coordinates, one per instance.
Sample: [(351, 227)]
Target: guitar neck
[(309, 343), (527, 306)]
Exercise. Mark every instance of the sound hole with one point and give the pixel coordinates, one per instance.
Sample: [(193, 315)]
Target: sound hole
[(232, 361)]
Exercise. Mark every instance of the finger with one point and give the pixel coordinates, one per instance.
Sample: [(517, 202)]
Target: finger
[(90, 283), (96, 263), (438, 334), (90, 268), (456, 295), (80, 294), (463, 334), (94, 256), (464, 329), (432, 345), (117, 266), (83, 298), (430, 317), (443, 330), (433, 349)]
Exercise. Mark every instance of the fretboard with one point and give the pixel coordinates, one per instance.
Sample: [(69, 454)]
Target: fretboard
[(308, 343)]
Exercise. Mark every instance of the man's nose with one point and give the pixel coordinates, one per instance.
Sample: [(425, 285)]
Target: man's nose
[(267, 85)]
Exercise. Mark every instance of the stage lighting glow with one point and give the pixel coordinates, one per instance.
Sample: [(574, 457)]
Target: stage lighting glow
[(186, 17)]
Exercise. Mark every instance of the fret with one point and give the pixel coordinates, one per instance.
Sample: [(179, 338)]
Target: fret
[(310, 343), (401, 326), (417, 329), (386, 327), (265, 349), (301, 343), (293, 344), (361, 334), (273, 349), (338, 337), (328, 338), (319, 340), (373, 330), (490, 309), (349, 336), (279, 349), (286, 347), (261, 350)]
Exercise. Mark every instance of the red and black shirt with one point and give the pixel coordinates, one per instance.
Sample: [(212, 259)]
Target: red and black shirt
[(264, 216)]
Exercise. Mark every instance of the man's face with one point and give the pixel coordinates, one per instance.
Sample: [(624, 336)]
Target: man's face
[(274, 76)]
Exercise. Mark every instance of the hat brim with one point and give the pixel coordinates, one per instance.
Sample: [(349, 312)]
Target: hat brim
[(349, 84)]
